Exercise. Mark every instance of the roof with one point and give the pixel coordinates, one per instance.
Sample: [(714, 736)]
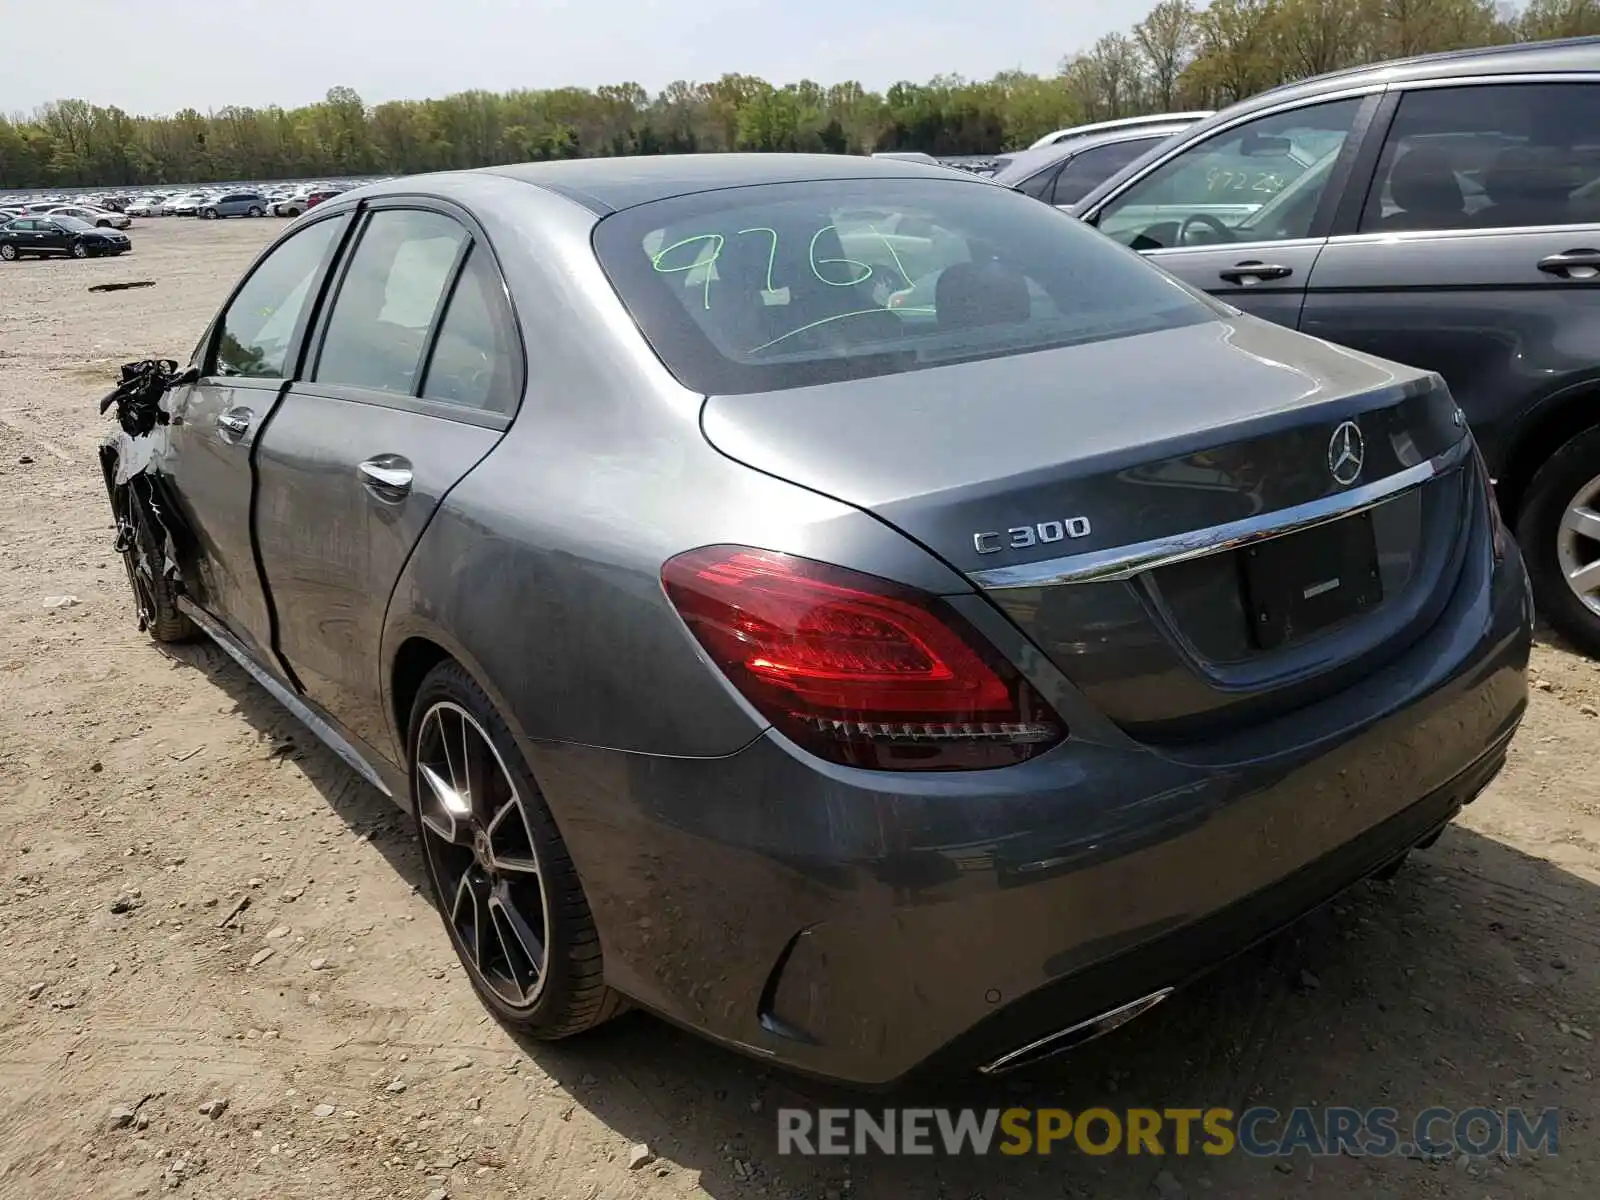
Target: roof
[(1564, 54), (1021, 164), (1077, 131), (605, 185)]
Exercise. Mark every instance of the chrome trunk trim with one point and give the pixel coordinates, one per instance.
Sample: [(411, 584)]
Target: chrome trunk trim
[(1124, 562)]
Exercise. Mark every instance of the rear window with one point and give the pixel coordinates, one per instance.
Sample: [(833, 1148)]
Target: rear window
[(777, 286)]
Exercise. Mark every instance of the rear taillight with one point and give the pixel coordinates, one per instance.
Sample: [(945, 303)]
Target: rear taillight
[(855, 668)]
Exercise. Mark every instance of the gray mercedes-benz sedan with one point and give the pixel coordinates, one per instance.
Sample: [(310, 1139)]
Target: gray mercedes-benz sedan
[(872, 685)]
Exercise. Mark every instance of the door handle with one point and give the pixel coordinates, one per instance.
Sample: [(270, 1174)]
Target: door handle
[(1572, 264), (1253, 271), (234, 424), (386, 476)]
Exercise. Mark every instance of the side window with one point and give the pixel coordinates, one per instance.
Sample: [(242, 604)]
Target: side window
[(258, 327), (1257, 182), (1093, 167), (380, 321), (475, 360), (1497, 156), (1038, 185)]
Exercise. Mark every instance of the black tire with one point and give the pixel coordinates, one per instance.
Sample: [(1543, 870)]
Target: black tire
[(9, 253), (79, 250), (102, 224), (1568, 471), (255, 211), (155, 603), (573, 996), (293, 211), (209, 214)]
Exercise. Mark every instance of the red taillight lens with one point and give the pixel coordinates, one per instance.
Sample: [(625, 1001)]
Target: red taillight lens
[(855, 668)]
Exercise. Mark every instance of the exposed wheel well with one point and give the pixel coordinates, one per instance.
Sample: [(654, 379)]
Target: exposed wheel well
[(412, 662), (1551, 429)]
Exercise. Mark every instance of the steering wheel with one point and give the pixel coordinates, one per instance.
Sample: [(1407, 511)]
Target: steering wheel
[(1224, 234)]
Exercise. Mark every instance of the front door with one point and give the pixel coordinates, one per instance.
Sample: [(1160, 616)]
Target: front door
[(414, 382), (1476, 250), (52, 237), (1243, 212), (247, 357)]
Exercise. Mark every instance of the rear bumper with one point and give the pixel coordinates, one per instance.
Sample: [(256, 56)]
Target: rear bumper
[(807, 914)]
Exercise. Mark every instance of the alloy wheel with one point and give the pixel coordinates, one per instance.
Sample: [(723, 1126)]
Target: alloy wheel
[(481, 853), (1578, 545)]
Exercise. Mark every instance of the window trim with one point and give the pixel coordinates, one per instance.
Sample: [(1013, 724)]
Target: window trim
[(205, 352), (1347, 226), (415, 402)]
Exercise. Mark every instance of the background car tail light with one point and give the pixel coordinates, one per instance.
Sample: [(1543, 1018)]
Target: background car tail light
[(855, 668)]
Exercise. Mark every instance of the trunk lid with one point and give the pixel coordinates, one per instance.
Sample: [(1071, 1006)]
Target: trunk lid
[(1101, 495)]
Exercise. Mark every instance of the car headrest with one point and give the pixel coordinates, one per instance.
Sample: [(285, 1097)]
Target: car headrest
[(1423, 181), (973, 294)]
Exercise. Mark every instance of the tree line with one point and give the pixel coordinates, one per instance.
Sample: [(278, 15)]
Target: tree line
[(1180, 56)]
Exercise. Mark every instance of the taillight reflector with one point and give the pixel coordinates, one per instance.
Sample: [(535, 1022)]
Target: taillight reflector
[(855, 668)]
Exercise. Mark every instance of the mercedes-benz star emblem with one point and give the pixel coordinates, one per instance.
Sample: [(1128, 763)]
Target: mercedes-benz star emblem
[(1347, 453)]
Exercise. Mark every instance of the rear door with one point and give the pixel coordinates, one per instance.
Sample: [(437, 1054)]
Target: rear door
[(1475, 252), (417, 374), (1244, 211), (245, 360)]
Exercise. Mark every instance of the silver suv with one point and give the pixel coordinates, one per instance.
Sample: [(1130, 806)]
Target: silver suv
[(1442, 211)]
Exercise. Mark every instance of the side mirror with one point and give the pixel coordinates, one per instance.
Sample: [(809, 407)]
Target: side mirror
[(190, 374)]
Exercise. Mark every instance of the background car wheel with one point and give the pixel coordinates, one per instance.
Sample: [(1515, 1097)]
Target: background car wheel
[(1559, 531), (502, 880), (292, 211), (9, 253), (209, 214), (79, 250), (256, 212), (155, 601)]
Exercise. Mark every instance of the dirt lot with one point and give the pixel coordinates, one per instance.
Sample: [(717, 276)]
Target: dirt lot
[(351, 1051)]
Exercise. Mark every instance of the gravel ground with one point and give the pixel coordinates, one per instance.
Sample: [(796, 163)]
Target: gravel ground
[(148, 795)]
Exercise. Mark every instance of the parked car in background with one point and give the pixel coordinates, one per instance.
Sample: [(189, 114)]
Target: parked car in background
[(234, 204), (1121, 123), (98, 217), (185, 204), (1023, 653), (1063, 173), (41, 236), (1441, 211), (305, 201), (148, 205)]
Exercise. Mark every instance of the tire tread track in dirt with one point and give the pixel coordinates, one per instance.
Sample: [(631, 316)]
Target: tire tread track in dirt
[(171, 773)]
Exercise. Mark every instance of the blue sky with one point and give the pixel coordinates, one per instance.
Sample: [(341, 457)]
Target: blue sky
[(157, 57)]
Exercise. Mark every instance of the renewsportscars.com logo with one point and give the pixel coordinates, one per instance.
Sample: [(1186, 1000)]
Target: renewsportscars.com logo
[(1258, 1132)]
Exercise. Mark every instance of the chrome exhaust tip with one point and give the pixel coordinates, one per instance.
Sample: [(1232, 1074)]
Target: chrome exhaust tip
[(1074, 1035)]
